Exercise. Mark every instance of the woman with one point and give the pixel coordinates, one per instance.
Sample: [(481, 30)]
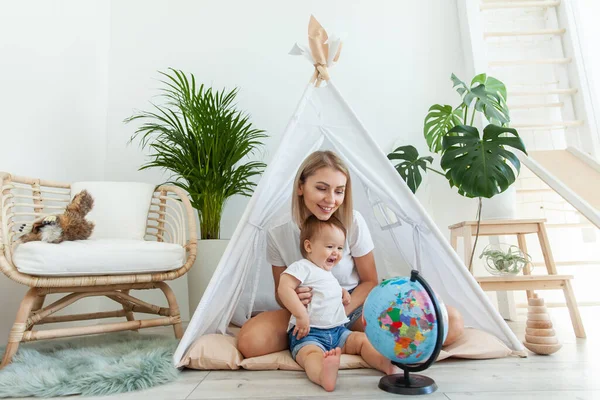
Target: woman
[(322, 188)]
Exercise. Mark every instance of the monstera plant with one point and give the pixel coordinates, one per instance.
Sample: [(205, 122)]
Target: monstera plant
[(479, 165)]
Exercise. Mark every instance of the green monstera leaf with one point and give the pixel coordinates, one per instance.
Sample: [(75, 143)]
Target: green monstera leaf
[(463, 90), (489, 95), (481, 167), (438, 122), (409, 165), (492, 84)]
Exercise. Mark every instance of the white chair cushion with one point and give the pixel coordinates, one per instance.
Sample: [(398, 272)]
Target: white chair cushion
[(120, 208), (97, 257)]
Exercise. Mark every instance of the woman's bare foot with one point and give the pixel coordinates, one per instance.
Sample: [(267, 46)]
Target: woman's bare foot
[(331, 365), (393, 370)]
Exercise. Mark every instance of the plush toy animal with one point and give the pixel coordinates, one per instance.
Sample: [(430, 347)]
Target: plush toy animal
[(71, 225)]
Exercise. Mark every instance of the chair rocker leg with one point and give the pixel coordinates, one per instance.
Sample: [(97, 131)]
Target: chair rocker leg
[(19, 327), (128, 313), (34, 301), (37, 305), (173, 307)]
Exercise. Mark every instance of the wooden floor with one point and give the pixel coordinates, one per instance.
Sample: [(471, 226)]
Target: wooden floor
[(571, 374)]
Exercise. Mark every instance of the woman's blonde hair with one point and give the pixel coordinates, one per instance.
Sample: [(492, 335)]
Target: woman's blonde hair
[(313, 163)]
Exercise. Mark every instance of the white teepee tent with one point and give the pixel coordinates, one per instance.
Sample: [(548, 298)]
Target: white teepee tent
[(405, 237)]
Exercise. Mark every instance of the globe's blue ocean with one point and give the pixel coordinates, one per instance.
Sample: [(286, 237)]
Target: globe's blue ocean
[(401, 322)]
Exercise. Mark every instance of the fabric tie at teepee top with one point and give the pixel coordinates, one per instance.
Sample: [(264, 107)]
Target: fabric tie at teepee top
[(322, 51), (319, 48)]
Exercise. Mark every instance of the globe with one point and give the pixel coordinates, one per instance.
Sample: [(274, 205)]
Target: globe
[(400, 320)]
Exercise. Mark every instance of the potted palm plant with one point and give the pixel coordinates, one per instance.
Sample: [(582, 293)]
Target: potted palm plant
[(204, 141), (479, 165)]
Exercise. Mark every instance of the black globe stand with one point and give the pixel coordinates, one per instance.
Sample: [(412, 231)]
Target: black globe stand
[(407, 384), (417, 384)]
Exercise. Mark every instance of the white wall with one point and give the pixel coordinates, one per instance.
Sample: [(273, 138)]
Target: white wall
[(396, 62), (53, 97), (53, 79)]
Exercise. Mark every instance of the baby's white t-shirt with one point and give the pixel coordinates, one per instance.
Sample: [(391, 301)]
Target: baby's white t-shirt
[(283, 248), (326, 309)]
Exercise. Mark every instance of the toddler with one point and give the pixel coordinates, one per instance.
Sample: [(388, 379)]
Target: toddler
[(317, 334)]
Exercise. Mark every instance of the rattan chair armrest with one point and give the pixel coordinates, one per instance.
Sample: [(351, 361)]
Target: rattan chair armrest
[(175, 211)]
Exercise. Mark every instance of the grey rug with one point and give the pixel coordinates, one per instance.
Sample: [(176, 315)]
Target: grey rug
[(90, 366)]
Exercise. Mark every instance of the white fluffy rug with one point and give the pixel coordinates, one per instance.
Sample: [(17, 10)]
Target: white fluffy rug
[(93, 365)]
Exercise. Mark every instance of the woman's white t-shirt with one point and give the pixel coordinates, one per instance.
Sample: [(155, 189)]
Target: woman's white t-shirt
[(283, 248)]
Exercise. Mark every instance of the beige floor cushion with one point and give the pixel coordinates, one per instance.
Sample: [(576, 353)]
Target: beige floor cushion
[(97, 257), (213, 352), (220, 352)]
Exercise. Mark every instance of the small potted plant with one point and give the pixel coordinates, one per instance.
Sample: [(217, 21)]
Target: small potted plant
[(504, 259)]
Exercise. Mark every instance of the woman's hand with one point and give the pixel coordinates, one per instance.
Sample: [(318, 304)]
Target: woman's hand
[(346, 298), (304, 294), (367, 274), (302, 327)]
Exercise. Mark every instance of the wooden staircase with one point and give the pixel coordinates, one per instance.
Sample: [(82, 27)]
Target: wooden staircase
[(528, 45)]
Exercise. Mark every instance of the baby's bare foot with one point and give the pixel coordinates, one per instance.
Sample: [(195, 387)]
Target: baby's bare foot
[(331, 365)]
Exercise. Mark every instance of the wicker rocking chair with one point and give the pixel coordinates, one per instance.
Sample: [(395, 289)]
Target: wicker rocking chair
[(25, 199)]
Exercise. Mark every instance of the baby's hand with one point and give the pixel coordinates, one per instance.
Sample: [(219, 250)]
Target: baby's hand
[(302, 327), (345, 297)]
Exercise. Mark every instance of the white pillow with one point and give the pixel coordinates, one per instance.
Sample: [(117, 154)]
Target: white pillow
[(120, 208)]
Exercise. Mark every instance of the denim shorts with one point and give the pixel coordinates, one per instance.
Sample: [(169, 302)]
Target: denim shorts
[(326, 339)]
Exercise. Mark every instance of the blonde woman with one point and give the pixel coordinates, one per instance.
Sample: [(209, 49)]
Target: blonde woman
[(322, 188)]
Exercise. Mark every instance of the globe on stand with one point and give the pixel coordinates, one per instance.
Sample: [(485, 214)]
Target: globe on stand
[(406, 322)]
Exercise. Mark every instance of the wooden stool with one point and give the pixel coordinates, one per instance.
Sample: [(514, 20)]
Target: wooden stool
[(539, 282), (520, 228)]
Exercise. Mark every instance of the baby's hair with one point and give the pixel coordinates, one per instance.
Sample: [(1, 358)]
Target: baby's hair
[(313, 225)]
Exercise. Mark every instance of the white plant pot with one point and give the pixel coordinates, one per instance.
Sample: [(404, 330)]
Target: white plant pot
[(210, 252), (501, 206)]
